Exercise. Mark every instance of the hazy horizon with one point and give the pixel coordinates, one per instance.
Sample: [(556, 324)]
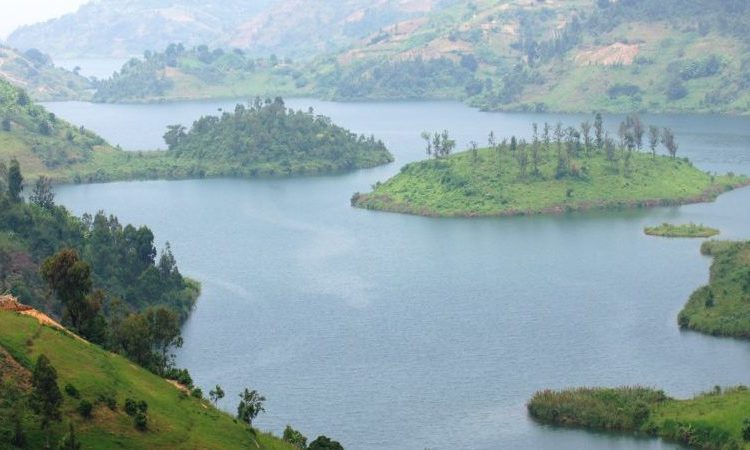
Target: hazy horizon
[(34, 11)]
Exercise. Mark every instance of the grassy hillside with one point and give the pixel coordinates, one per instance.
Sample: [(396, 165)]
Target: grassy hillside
[(715, 420), (722, 307), (504, 180), (174, 420), (35, 72)]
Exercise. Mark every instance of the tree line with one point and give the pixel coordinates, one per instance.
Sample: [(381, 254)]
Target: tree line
[(565, 146)]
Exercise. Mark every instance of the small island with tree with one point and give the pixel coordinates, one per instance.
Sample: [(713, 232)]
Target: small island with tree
[(689, 230), (561, 169)]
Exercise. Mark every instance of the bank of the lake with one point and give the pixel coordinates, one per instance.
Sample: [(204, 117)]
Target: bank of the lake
[(492, 182)]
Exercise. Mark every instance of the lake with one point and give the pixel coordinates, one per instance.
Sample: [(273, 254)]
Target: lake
[(388, 331)]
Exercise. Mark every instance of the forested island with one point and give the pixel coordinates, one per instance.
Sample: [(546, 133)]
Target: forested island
[(718, 419), (561, 169), (263, 138), (689, 230)]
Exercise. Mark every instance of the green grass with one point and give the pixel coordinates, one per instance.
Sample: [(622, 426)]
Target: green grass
[(689, 230), (709, 421), (174, 422), (491, 185), (722, 308)]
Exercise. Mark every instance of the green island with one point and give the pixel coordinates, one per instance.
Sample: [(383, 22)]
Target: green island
[(35, 72), (262, 139), (560, 170), (689, 230), (719, 419)]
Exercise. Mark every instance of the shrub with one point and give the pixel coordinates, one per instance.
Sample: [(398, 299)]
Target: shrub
[(72, 391), (746, 430), (131, 407), (84, 409), (141, 422), (109, 400), (197, 393)]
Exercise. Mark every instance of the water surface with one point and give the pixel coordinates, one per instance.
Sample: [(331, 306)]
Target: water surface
[(387, 331)]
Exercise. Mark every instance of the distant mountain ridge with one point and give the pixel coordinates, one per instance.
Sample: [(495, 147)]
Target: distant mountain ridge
[(296, 28)]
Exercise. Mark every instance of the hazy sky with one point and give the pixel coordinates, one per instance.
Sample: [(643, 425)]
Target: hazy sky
[(21, 12)]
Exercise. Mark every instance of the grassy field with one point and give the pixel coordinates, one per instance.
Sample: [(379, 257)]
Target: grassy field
[(689, 230), (491, 184), (175, 421), (722, 307), (709, 421)]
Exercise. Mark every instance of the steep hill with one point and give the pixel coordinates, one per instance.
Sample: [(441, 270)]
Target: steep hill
[(577, 55), (175, 420), (34, 71)]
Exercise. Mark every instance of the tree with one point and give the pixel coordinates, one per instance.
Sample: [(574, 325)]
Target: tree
[(667, 138), (6, 124), (294, 437), (653, 139), (43, 195), (251, 404), (174, 135), (45, 396), (599, 131), (325, 443), (638, 130), (428, 139), (69, 441), (15, 180), (164, 333), (70, 278), (216, 394), (586, 133), (474, 151)]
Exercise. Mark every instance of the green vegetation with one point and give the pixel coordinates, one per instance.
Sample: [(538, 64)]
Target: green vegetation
[(689, 230), (200, 73), (722, 308), (267, 139), (715, 420), (131, 407), (560, 170), (34, 71), (623, 409)]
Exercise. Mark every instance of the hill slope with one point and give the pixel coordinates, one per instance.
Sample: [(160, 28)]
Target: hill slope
[(34, 72), (174, 420)]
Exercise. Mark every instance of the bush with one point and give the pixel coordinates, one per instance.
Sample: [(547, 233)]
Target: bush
[(141, 422), (109, 400), (197, 393), (72, 391), (746, 430), (676, 90), (84, 409), (131, 407)]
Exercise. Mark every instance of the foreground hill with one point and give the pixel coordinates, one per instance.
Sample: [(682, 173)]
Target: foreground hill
[(175, 420), (35, 72)]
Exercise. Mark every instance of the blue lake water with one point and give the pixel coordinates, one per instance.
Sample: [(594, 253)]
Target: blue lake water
[(387, 331)]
